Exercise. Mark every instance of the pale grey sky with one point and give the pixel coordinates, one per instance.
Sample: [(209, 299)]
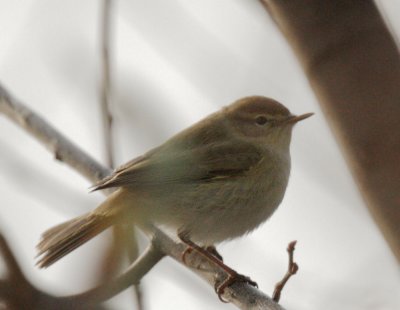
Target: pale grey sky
[(175, 62)]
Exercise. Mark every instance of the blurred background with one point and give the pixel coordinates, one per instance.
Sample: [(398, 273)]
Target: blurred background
[(174, 62)]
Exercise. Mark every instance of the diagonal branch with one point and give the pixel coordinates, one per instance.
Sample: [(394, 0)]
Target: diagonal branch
[(63, 149), (243, 295)]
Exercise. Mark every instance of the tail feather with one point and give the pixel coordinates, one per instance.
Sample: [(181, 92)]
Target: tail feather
[(66, 237)]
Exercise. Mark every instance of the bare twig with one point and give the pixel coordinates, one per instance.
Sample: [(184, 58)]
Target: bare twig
[(105, 88), (124, 239), (292, 269), (243, 295)]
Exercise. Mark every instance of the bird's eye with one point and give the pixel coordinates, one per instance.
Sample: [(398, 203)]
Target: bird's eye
[(261, 120)]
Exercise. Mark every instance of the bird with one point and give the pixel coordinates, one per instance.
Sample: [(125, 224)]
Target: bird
[(217, 180)]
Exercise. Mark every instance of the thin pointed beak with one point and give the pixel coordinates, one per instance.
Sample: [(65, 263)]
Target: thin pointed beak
[(294, 119)]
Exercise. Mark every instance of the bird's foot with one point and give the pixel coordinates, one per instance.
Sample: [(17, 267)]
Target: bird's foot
[(211, 254), (187, 251), (233, 277)]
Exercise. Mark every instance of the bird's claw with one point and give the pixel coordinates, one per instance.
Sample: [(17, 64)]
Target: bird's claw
[(187, 251)]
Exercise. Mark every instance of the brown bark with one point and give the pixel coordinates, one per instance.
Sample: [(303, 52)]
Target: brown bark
[(353, 66)]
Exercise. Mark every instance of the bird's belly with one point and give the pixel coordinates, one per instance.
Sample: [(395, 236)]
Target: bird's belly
[(243, 211), (211, 214)]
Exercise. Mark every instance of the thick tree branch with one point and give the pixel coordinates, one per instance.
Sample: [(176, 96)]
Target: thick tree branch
[(243, 295), (353, 65)]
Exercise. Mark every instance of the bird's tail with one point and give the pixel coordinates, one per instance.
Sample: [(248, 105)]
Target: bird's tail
[(66, 237)]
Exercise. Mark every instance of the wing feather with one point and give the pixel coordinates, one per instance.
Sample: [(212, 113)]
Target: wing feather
[(206, 163)]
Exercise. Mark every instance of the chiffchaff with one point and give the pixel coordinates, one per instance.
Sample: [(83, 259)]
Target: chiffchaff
[(214, 181)]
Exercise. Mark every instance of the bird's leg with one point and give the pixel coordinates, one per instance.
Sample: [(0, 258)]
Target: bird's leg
[(232, 277), (213, 250), (210, 249)]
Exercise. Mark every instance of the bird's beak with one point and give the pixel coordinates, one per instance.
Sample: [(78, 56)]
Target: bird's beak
[(294, 118)]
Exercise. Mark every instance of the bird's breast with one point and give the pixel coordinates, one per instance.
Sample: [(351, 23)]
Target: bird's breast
[(231, 208)]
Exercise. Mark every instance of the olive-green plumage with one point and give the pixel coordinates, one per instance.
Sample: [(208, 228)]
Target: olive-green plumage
[(214, 181)]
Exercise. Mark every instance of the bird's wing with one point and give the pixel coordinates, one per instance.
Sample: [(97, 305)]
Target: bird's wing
[(205, 163)]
